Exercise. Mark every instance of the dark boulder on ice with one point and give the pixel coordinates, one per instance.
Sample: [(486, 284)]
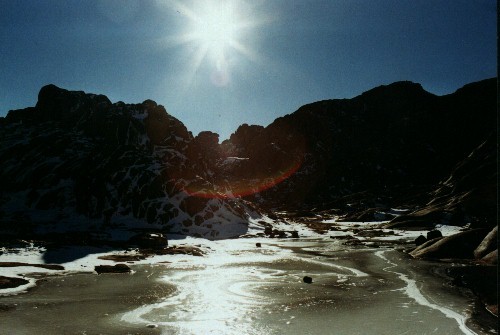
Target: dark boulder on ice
[(307, 280), (11, 282), (460, 245), (420, 240), (118, 268), (425, 244), (434, 234)]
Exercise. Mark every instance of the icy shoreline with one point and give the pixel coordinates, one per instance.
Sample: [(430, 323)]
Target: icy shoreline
[(244, 276)]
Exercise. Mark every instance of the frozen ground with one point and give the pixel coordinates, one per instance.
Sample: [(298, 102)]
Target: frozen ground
[(239, 288)]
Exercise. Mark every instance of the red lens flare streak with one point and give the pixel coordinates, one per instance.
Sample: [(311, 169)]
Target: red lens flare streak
[(237, 191)]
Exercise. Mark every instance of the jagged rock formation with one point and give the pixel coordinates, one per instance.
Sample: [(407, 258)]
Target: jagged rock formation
[(81, 161), (387, 147), (468, 195)]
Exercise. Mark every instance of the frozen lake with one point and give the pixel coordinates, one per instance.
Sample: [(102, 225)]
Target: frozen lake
[(238, 288)]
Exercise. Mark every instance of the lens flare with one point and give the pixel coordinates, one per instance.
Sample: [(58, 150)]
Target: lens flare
[(216, 33), (243, 187)]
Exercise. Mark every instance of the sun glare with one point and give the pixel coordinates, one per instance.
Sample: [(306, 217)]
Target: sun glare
[(218, 30)]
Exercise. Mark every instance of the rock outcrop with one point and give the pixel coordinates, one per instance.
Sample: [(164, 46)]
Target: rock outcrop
[(461, 245), (80, 161), (390, 146), (467, 196), (83, 162)]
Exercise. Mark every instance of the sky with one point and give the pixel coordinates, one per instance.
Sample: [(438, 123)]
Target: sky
[(215, 65)]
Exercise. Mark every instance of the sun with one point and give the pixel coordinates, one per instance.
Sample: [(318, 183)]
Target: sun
[(218, 30)]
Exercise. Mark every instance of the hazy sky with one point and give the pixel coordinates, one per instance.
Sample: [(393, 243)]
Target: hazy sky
[(216, 65)]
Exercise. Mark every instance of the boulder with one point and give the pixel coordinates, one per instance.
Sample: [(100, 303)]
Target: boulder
[(420, 240), (432, 234), (461, 245), (180, 250), (149, 241), (488, 244), (426, 243), (491, 258), (118, 268), (307, 280), (280, 233), (11, 282)]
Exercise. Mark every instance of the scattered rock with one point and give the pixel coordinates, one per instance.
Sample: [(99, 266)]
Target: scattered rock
[(374, 233), (488, 244), (461, 245), (343, 237), (420, 240), (151, 325), (491, 258), (118, 268), (426, 243), (11, 282), (295, 234), (353, 241), (177, 250), (258, 245), (307, 280), (281, 234), (123, 258), (149, 241), (432, 234)]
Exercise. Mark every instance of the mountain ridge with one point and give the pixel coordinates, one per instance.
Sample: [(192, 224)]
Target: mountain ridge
[(78, 154)]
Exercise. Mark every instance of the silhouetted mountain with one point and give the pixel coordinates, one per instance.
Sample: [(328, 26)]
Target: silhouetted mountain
[(76, 161), (468, 195), (391, 145)]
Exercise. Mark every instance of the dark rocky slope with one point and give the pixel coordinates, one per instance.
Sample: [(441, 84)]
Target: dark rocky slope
[(81, 161), (467, 196), (388, 147), (78, 160)]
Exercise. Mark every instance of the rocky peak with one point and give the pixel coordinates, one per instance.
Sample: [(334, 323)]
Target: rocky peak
[(241, 141), (55, 104), (399, 90), (161, 127), (76, 150)]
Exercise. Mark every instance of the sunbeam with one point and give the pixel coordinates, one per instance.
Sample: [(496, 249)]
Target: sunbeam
[(218, 31)]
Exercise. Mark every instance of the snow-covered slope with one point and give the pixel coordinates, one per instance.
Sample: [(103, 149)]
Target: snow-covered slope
[(78, 162)]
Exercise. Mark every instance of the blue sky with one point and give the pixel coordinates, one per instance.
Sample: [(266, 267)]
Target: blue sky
[(216, 65)]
